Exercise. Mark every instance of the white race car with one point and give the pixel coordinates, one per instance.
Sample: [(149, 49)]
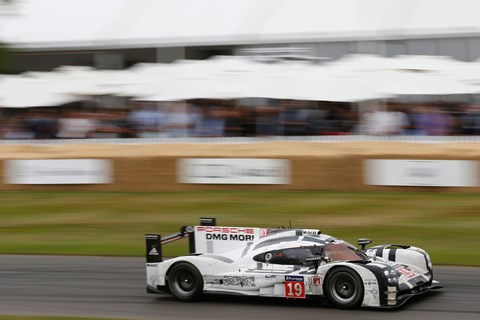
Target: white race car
[(288, 263)]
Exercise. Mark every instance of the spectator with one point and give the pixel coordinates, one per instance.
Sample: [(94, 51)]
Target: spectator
[(289, 117), (210, 123), (146, 120), (16, 129), (316, 122), (233, 123), (470, 120), (267, 121), (434, 121), (75, 125), (43, 123), (113, 124), (293, 118), (379, 122), (399, 121), (181, 119)]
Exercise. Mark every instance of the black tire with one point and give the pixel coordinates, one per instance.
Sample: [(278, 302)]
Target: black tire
[(344, 288), (185, 282)]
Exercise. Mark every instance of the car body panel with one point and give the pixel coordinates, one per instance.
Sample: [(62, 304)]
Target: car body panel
[(294, 263)]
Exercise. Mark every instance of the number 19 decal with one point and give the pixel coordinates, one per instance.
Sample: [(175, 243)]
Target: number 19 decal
[(294, 287)]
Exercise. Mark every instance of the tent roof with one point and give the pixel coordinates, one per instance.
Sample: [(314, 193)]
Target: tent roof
[(55, 24), (350, 79)]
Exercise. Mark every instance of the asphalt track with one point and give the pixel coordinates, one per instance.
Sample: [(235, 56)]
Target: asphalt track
[(115, 288)]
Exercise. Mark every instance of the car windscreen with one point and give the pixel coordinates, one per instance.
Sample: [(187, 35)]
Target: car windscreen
[(342, 252)]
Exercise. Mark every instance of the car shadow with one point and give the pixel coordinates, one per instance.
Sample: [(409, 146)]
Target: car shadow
[(316, 302)]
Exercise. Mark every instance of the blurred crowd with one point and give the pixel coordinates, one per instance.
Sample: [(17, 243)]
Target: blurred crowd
[(222, 119)]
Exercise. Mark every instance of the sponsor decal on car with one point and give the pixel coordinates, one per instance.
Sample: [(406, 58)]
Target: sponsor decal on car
[(153, 252), (294, 287), (370, 282), (226, 229), (239, 281), (315, 281), (314, 258), (310, 232), (214, 281), (232, 237), (373, 292), (227, 233), (407, 273), (263, 232), (294, 278)]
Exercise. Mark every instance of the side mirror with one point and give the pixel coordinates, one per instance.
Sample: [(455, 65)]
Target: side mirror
[(363, 242)]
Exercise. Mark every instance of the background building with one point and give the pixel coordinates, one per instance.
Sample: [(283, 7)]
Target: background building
[(115, 34)]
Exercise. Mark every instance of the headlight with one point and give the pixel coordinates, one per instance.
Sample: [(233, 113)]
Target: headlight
[(391, 276), (390, 273), (392, 280)]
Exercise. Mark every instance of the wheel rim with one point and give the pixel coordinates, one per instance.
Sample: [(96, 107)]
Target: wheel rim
[(343, 288), (184, 281)]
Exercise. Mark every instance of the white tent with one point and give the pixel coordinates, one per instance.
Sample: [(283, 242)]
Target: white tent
[(426, 63), (25, 91), (396, 82), (233, 78), (48, 24), (351, 79), (355, 78)]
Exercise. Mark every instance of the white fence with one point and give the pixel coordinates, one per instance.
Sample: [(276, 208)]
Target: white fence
[(236, 140)]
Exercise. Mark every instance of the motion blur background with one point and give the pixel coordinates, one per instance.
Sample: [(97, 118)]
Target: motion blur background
[(125, 69), (337, 100), (125, 117), (368, 110)]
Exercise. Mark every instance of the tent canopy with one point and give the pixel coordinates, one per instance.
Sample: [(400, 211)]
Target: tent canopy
[(48, 24), (351, 79)]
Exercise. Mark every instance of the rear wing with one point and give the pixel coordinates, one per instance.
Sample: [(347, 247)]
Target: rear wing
[(205, 238), (154, 242)]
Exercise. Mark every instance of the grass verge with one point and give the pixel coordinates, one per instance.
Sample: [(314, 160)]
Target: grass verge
[(113, 223)]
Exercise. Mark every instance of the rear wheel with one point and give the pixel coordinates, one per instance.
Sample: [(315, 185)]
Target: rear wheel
[(185, 282), (344, 288)]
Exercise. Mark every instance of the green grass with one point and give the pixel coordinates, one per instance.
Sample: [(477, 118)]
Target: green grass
[(111, 223)]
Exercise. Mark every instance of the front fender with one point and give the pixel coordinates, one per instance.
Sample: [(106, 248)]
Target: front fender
[(402, 254), (371, 283)]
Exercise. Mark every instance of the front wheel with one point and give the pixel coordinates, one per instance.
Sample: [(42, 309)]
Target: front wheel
[(185, 282), (344, 288)]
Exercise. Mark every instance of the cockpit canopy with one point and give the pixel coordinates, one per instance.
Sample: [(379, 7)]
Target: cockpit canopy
[(307, 255)]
